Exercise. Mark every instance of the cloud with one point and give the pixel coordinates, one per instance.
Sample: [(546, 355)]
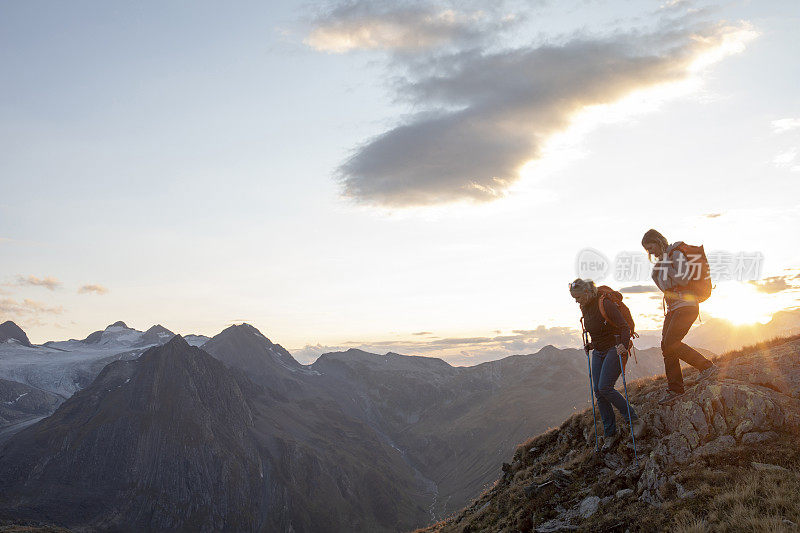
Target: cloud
[(27, 307), (785, 124), (481, 113), (48, 282), (639, 289), (785, 159), (310, 352), (89, 289), (399, 26), (773, 284), (423, 333), (712, 215)]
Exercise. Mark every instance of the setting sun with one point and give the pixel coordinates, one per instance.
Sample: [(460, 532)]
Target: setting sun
[(742, 303)]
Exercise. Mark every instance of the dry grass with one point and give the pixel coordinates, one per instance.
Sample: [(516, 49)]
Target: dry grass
[(755, 501)]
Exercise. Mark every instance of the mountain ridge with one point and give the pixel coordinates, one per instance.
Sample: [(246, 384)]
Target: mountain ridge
[(416, 430), (723, 445)]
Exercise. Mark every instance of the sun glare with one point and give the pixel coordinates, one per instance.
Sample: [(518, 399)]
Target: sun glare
[(741, 303)]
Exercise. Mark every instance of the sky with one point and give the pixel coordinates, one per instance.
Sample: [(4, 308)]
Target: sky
[(417, 177)]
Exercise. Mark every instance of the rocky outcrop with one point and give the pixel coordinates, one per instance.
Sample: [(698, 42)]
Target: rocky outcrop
[(558, 482), (753, 399)]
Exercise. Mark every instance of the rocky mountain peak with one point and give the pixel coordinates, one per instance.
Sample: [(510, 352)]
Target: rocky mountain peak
[(244, 347), (157, 334), (9, 330), (158, 328), (178, 341), (243, 330), (118, 330)]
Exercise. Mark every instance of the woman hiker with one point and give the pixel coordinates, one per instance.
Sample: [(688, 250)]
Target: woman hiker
[(672, 275), (609, 342)]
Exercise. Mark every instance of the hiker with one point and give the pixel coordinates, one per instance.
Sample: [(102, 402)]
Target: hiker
[(676, 279), (609, 343)]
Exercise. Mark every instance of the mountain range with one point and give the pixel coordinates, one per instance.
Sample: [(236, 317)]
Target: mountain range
[(355, 440), (151, 430)]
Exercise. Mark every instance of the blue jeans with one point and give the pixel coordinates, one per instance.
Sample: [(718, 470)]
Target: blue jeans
[(605, 372)]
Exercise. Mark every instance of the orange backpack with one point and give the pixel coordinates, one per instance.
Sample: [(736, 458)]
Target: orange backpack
[(700, 283)]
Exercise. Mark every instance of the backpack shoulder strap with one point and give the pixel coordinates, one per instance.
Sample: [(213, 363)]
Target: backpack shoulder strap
[(601, 304)]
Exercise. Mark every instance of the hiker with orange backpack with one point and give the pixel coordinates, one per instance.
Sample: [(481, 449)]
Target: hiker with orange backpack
[(610, 343), (682, 274)]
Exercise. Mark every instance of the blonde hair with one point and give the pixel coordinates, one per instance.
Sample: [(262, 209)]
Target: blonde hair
[(652, 236), (583, 286)]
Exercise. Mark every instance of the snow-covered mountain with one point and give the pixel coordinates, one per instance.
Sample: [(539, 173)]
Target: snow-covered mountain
[(196, 340), (64, 367)]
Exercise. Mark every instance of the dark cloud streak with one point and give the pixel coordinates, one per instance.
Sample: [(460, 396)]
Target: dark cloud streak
[(484, 112)]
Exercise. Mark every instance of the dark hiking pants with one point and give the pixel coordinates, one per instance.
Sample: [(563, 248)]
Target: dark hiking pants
[(676, 326), (605, 372)]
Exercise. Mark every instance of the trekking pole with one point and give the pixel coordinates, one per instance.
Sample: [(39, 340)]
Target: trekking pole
[(591, 383), (628, 403)]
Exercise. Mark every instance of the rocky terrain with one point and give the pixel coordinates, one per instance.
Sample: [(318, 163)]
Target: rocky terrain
[(722, 458)]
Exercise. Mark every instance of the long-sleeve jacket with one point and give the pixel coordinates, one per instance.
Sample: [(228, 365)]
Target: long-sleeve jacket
[(605, 334), (671, 274)]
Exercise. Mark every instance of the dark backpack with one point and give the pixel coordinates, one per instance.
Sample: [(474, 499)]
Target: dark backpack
[(604, 292), (700, 284)]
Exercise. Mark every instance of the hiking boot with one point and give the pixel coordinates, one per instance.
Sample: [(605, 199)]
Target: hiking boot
[(609, 442), (670, 398), (709, 373), (638, 428)]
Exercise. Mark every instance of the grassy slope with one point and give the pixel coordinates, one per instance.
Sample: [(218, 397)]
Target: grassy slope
[(700, 488)]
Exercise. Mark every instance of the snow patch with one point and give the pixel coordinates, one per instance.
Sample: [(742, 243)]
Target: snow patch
[(17, 399)]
